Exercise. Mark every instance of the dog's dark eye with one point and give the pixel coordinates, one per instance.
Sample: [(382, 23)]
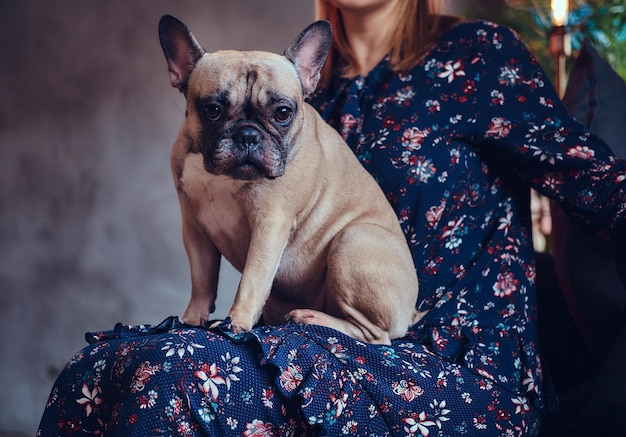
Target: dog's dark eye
[(213, 112), (283, 114)]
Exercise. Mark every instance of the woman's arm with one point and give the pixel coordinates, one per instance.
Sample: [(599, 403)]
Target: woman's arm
[(520, 121)]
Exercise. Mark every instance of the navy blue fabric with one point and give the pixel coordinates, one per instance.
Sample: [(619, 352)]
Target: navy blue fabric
[(454, 143)]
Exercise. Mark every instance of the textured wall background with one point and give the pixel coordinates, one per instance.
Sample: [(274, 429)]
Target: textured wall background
[(89, 219)]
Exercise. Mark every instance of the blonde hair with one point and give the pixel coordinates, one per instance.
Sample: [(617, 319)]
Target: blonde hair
[(419, 24)]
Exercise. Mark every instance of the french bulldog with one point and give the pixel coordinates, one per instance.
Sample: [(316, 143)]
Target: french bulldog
[(263, 181)]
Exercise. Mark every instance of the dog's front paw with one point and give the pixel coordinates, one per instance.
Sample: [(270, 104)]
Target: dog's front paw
[(238, 327), (195, 319), (197, 313)]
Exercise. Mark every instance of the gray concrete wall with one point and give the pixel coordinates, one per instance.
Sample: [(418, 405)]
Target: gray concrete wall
[(89, 219)]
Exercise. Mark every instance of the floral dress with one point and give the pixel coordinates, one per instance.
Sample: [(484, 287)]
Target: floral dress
[(454, 143)]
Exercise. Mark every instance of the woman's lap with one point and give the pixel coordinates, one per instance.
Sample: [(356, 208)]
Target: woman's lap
[(289, 380)]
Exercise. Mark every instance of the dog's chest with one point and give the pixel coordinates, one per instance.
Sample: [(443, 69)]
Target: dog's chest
[(214, 204)]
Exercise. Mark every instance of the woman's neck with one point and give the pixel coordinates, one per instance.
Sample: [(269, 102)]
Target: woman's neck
[(368, 33)]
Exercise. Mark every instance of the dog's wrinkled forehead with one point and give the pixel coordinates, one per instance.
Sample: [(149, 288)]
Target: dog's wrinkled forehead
[(245, 76)]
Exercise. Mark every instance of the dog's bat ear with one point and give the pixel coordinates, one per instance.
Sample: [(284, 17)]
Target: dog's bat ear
[(308, 53), (181, 50)]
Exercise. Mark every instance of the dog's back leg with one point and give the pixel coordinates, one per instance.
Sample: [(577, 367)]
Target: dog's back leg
[(356, 325), (371, 285)]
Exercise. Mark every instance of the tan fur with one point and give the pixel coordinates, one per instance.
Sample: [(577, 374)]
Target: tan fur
[(318, 244)]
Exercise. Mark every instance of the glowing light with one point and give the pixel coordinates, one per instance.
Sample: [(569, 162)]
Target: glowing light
[(559, 12)]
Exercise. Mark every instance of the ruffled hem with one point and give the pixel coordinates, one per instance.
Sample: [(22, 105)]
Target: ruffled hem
[(418, 381), (122, 330)]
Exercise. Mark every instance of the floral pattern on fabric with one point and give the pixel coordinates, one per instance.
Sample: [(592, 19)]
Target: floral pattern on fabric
[(454, 144), (175, 379)]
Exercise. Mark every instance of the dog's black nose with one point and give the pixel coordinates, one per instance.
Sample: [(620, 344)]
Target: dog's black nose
[(247, 137)]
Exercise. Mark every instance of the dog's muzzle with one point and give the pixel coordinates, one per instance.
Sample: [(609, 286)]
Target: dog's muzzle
[(249, 156)]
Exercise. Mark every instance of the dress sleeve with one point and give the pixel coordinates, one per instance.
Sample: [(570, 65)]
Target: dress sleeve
[(519, 121)]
